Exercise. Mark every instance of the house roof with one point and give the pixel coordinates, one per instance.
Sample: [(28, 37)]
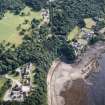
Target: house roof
[(26, 88)]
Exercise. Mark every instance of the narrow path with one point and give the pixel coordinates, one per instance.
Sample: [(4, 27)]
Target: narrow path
[(14, 82)]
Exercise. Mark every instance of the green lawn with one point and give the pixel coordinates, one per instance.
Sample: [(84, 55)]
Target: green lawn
[(13, 76), (89, 22), (33, 14), (4, 86), (33, 73), (73, 33), (76, 31), (10, 22), (2, 81)]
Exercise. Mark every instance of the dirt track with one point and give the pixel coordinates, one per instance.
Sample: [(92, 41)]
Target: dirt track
[(67, 84)]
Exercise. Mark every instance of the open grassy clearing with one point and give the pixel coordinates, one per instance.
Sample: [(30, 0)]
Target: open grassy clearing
[(3, 87), (89, 22), (76, 31), (2, 82), (81, 34), (33, 14), (78, 34), (32, 73), (73, 33), (14, 76), (10, 22)]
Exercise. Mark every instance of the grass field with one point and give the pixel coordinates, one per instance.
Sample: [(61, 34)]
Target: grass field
[(89, 22), (73, 33), (13, 76), (2, 81), (2, 90), (76, 31), (4, 86), (10, 22), (32, 73)]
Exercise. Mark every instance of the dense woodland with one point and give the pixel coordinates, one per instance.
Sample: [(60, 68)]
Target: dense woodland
[(14, 5), (68, 13), (17, 5), (40, 48), (36, 4)]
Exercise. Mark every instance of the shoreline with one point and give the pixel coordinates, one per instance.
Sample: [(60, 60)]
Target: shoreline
[(75, 71)]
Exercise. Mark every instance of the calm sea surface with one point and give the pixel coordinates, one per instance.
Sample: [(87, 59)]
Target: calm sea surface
[(96, 92)]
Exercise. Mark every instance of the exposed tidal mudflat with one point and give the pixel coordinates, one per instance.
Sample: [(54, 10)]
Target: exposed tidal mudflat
[(96, 91), (87, 92), (80, 83)]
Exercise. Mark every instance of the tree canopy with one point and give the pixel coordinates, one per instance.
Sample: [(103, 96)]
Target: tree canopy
[(66, 14), (17, 5), (41, 46)]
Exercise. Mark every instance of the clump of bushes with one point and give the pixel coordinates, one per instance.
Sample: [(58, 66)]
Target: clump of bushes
[(93, 40)]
